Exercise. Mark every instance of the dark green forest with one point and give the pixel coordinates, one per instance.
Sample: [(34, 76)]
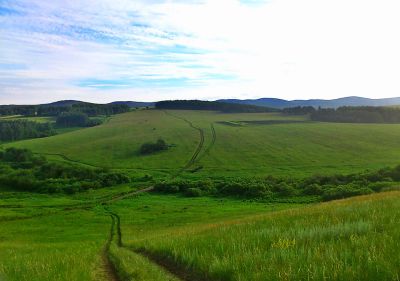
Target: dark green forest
[(11, 130), (212, 105), (362, 114), (90, 109)]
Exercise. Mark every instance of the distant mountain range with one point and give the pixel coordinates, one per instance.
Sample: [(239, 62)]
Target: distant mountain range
[(334, 103), (271, 102), (72, 102)]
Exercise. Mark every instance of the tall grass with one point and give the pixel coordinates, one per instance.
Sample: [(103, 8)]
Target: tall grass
[(60, 247), (354, 239), (133, 267)]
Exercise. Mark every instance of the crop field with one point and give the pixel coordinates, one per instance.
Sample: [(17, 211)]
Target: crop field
[(129, 230), (227, 144)]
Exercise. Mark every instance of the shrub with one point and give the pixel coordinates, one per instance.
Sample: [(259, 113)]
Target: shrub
[(344, 191), (149, 147), (193, 192)]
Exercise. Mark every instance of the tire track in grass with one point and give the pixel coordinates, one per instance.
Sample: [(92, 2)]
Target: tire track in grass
[(199, 147), (108, 266), (168, 266), (67, 159), (213, 140)]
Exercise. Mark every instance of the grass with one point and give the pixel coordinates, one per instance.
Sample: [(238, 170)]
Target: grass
[(63, 246), (41, 119), (219, 239), (47, 237), (255, 148), (354, 239), (67, 245)]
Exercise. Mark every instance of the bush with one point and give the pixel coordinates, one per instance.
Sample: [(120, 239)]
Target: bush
[(344, 191), (149, 147), (193, 192)]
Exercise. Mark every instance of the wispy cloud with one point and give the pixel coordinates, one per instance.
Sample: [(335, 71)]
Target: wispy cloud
[(105, 50)]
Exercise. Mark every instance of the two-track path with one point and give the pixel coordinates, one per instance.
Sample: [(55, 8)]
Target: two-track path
[(115, 228)]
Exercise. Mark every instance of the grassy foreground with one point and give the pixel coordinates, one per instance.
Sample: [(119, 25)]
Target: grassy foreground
[(353, 239)]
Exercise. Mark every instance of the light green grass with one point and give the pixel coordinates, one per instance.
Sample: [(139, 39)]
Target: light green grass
[(293, 149), (354, 239), (65, 246), (41, 119)]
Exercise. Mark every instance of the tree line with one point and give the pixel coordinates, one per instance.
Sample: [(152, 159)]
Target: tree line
[(90, 109), (362, 114), (22, 170), (12, 130), (76, 119), (211, 105), (320, 187)]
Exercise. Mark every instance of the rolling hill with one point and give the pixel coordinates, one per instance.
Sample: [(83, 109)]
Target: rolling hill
[(334, 103)]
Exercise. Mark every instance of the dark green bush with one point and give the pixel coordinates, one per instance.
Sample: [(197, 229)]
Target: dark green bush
[(150, 147), (193, 192)]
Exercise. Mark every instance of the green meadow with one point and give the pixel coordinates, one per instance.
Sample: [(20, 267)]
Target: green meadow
[(133, 232), (245, 144)]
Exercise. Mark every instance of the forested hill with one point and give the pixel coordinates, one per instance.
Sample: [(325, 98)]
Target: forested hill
[(360, 114), (334, 103), (211, 105), (57, 108)]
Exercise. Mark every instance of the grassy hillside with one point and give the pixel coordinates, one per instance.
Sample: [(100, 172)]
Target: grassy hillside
[(245, 144), (43, 239), (354, 239)]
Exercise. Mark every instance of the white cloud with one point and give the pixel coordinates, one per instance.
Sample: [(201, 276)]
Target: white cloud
[(280, 48)]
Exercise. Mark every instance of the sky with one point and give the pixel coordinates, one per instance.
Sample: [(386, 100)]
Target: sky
[(108, 50)]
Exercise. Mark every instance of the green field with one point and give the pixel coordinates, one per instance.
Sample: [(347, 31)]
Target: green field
[(122, 233), (239, 146), (218, 239)]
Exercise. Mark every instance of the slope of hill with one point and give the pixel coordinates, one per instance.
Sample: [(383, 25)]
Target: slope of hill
[(355, 239), (228, 144), (334, 103), (63, 103)]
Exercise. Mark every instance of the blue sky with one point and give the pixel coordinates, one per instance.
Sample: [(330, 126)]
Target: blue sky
[(106, 50)]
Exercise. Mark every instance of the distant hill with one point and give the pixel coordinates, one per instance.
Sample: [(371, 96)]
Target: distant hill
[(265, 102), (63, 103), (134, 103), (211, 105), (334, 103)]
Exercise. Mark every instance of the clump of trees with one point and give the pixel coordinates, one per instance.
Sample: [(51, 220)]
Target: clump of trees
[(361, 114), (298, 110), (22, 170), (152, 147), (76, 119), (323, 188), (12, 130), (211, 105)]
